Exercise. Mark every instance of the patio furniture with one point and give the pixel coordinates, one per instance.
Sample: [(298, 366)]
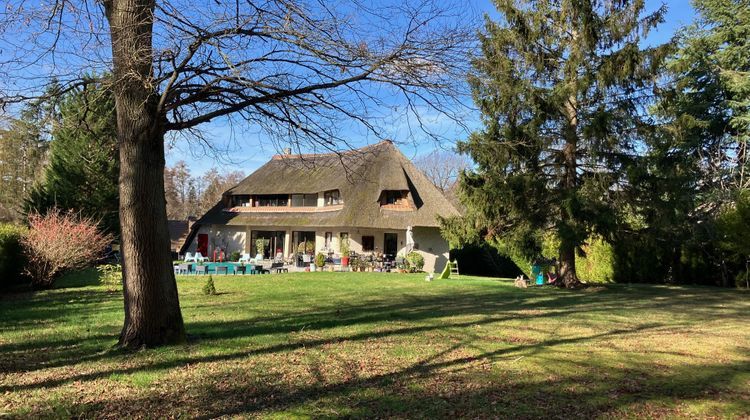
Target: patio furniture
[(199, 257), (222, 269), (258, 269), (189, 257), (183, 268), (239, 269), (279, 267), (245, 258), (201, 269)]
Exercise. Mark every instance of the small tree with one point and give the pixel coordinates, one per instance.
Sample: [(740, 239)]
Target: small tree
[(209, 288), (57, 242), (345, 247)]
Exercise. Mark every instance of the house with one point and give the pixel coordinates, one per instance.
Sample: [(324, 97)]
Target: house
[(178, 233), (371, 196)]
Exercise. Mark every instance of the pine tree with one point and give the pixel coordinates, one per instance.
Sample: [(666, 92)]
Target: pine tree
[(83, 168), (561, 86)]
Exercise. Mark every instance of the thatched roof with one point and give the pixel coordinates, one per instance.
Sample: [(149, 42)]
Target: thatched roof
[(178, 232), (360, 176)]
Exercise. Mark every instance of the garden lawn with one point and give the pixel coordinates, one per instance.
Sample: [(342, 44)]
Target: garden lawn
[(382, 345)]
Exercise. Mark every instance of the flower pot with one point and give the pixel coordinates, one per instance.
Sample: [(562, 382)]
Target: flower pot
[(312, 267)]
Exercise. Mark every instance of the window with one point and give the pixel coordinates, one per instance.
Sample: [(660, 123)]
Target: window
[(271, 200), (304, 200), (329, 240), (303, 242), (368, 243), (394, 197), (332, 198), (241, 201)]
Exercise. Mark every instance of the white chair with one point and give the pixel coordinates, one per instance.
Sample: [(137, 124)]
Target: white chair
[(199, 257), (189, 257), (258, 257), (245, 258)]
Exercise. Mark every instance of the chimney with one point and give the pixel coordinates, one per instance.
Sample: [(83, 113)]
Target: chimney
[(287, 151)]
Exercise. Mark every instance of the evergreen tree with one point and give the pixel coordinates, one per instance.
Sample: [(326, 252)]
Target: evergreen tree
[(696, 162), (83, 168), (23, 149), (561, 87)]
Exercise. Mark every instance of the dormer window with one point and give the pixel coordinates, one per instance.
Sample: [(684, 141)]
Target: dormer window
[(394, 197), (271, 200), (304, 200), (332, 198), (241, 201)]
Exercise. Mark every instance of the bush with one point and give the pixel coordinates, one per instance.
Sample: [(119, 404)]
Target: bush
[(12, 259), (57, 242), (209, 288), (320, 260), (234, 256), (598, 265), (110, 274), (415, 261)]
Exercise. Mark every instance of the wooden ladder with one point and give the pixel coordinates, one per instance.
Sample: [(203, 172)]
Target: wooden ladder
[(454, 268)]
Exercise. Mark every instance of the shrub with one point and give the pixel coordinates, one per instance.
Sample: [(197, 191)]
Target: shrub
[(597, 266), (415, 260), (234, 256), (209, 288), (12, 259), (60, 241), (320, 260), (110, 274)]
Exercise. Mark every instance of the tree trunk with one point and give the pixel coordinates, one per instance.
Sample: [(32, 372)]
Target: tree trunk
[(152, 308), (568, 265), (567, 231)]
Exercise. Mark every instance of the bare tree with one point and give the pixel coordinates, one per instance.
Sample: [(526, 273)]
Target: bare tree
[(442, 167), (299, 70)]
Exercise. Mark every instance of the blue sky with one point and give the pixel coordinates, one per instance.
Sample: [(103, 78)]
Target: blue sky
[(244, 149)]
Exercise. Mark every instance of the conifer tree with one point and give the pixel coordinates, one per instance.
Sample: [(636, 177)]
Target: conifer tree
[(83, 167), (561, 86)]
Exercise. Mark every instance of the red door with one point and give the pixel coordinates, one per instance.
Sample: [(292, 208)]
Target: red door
[(203, 244)]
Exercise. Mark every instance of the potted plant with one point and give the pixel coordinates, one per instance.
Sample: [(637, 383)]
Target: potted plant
[(345, 252), (320, 260), (260, 247)]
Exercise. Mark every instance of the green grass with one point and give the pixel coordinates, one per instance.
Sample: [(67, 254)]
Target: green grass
[(382, 345)]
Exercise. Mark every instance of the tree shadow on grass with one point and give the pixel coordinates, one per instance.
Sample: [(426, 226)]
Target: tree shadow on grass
[(423, 314), (439, 388)]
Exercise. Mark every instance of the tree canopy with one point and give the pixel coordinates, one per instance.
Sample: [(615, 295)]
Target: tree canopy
[(562, 88), (83, 167)]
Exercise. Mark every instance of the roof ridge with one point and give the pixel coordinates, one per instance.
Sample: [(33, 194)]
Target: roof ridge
[(331, 154)]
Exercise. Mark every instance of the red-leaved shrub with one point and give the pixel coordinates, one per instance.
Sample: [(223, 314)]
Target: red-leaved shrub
[(60, 241)]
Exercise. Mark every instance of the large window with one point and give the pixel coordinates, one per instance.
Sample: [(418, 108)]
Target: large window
[(307, 238), (271, 200), (304, 200), (332, 198), (267, 243), (368, 243)]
